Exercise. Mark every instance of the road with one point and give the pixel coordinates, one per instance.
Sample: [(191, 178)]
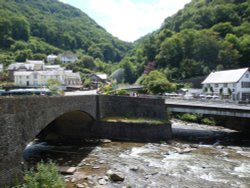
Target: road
[(206, 103)]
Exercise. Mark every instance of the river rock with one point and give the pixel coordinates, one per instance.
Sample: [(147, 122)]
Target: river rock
[(105, 141), (134, 168), (186, 150), (66, 170), (102, 181), (80, 185), (115, 176)]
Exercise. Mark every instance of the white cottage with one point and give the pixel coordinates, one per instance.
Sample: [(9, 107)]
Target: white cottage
[(234, 84), (51, 58), (67, 58), (40, 78)]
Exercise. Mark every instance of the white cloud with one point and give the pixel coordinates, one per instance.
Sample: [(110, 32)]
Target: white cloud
[(129, 19)]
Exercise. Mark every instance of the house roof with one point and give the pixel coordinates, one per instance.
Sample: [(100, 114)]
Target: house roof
[(14, 66), (35, 61), (227, 76), (23, 73), (52, 56), (102, 76)]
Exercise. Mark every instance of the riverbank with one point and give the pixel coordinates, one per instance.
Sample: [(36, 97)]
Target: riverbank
[(198, 156)]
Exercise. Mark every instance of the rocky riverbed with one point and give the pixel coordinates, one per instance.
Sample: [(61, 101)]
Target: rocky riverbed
[(198, 156)]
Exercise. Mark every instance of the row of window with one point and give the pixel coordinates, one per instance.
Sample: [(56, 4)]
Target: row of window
[(35, 77), (245, 84), (224, 85)]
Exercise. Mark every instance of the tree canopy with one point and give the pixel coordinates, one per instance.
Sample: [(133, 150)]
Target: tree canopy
[(50, 26), (205, 35)]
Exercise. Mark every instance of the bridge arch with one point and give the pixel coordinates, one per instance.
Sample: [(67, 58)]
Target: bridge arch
[(69, 126)]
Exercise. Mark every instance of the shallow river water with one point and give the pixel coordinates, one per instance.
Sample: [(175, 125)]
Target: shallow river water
[(197, 156)]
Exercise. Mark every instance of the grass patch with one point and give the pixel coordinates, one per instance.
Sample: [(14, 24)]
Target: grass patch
[(140, 120), (195, 118), (43, 176)]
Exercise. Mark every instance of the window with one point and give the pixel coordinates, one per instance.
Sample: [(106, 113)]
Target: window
[(245, 84), (247, 75), (224, 85), (35, 76), (27, 77), (216, 85)]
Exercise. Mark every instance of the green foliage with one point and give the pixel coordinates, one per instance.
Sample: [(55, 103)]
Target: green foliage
[(106, 89), (49, 26), (53, 85), (189, 117), (208, 121), (204, 36), (129, 71), (44, 176), (131, 119), (155, 82), (121, 92), (211, 89), (195, 118)]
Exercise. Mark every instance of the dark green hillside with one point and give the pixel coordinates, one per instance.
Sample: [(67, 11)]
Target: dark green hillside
[(206, 35), (34, 28)]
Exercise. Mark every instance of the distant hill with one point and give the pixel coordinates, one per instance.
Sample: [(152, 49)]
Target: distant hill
[(205, 35), (35, 28)]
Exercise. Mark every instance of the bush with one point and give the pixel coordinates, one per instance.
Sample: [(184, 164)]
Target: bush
[(208, 121), (121, 92), (45, 176), (189, 117)]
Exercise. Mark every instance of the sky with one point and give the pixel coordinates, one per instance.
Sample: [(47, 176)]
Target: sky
[(129, 19)]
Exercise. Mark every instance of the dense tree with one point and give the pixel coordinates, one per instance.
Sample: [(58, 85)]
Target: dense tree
[(155, 82), (57, 26), (204, 36)]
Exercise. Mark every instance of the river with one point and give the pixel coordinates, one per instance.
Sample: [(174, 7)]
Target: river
[(197, 156)]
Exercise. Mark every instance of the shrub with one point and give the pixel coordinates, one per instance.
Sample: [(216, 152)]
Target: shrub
[(45, 175), (189, 117), (208, 121)]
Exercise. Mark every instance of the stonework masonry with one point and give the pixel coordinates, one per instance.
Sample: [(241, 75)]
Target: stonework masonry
[(23, 118)]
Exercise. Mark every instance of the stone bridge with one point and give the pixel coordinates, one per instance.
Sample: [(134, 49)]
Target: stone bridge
[(23, 118)]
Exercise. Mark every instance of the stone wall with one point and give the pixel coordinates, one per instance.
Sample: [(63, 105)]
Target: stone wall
[(132, 131), (131, 107)]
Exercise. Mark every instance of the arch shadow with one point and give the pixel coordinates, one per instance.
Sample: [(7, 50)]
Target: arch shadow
[(62, 137)]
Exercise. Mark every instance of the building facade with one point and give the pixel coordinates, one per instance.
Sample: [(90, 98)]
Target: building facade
[(37, 74), (232, 84), (67, 58), (51, 58), (40, 78)]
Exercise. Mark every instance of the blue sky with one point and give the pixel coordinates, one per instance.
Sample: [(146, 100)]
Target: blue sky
[(129, 19)]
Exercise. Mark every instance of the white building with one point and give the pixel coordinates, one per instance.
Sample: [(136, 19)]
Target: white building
[(53, 68), (67, 58), (72, 79), (38, 64), (30, 65), (36, 78), (234, 84), (51, 58), (40, 78)]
